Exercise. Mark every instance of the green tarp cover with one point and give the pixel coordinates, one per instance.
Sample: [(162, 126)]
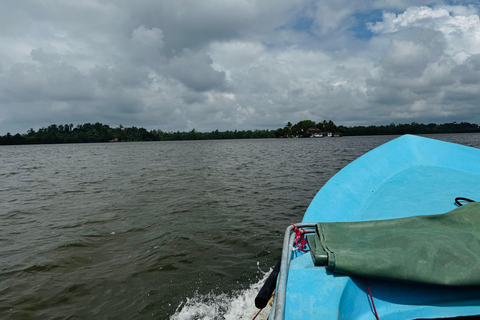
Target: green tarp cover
[(439, 249)]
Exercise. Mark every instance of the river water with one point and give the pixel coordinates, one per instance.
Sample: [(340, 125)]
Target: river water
[(156, 230)]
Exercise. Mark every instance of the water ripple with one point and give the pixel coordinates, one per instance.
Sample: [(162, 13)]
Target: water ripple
[(154, 230)]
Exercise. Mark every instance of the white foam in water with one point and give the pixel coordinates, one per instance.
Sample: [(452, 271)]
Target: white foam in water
[(236, 306)]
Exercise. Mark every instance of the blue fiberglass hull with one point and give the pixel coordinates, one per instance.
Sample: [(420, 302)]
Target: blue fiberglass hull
[(408, 176)]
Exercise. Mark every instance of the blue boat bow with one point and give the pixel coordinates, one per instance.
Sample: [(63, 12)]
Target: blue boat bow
[(407, 176)]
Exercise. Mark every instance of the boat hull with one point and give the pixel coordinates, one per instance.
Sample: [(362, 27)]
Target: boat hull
[(408, 176)]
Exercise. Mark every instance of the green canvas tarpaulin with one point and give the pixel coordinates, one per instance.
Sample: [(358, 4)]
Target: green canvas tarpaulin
[(439, 249)]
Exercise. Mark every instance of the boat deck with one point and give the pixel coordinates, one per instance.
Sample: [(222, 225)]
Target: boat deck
[(425, 178)]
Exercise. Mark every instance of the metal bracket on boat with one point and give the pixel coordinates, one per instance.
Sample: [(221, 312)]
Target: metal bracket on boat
[(278, 310)]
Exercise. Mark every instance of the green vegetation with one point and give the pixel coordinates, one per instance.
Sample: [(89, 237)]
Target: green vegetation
[(413, 128), (103, 133), (301, 128), (304, 129)]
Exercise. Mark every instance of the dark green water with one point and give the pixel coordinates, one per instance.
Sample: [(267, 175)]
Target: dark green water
[(161, 230)]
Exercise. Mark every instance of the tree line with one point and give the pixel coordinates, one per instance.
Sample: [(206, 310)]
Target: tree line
[(304, 129), (99, 132), (412, 128)]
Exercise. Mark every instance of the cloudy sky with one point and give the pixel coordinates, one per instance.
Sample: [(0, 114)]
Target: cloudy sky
[(237, 64)]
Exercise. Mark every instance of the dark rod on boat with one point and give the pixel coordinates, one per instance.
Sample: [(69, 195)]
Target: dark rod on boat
[(265, 293)]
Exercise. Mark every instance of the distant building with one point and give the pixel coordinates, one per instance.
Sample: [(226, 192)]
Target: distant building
[(318, 133)]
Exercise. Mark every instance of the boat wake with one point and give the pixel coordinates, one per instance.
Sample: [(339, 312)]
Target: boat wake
[(238, 305)]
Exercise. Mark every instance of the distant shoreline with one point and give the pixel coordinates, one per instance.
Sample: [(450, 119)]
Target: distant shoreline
[(94, 133)]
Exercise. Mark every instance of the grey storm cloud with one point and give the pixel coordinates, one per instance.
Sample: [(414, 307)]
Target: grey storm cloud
[(179, 65), (194, 70)]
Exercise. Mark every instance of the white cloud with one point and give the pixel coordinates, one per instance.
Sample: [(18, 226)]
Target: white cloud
[(418, 76), (460, 10), (412, 17), (461, 32), (247, 64)]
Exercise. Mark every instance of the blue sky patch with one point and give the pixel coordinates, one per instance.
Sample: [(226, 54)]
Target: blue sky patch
[(361, 30)]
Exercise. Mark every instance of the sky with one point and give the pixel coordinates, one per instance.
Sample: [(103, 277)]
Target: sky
[(237, 64)]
